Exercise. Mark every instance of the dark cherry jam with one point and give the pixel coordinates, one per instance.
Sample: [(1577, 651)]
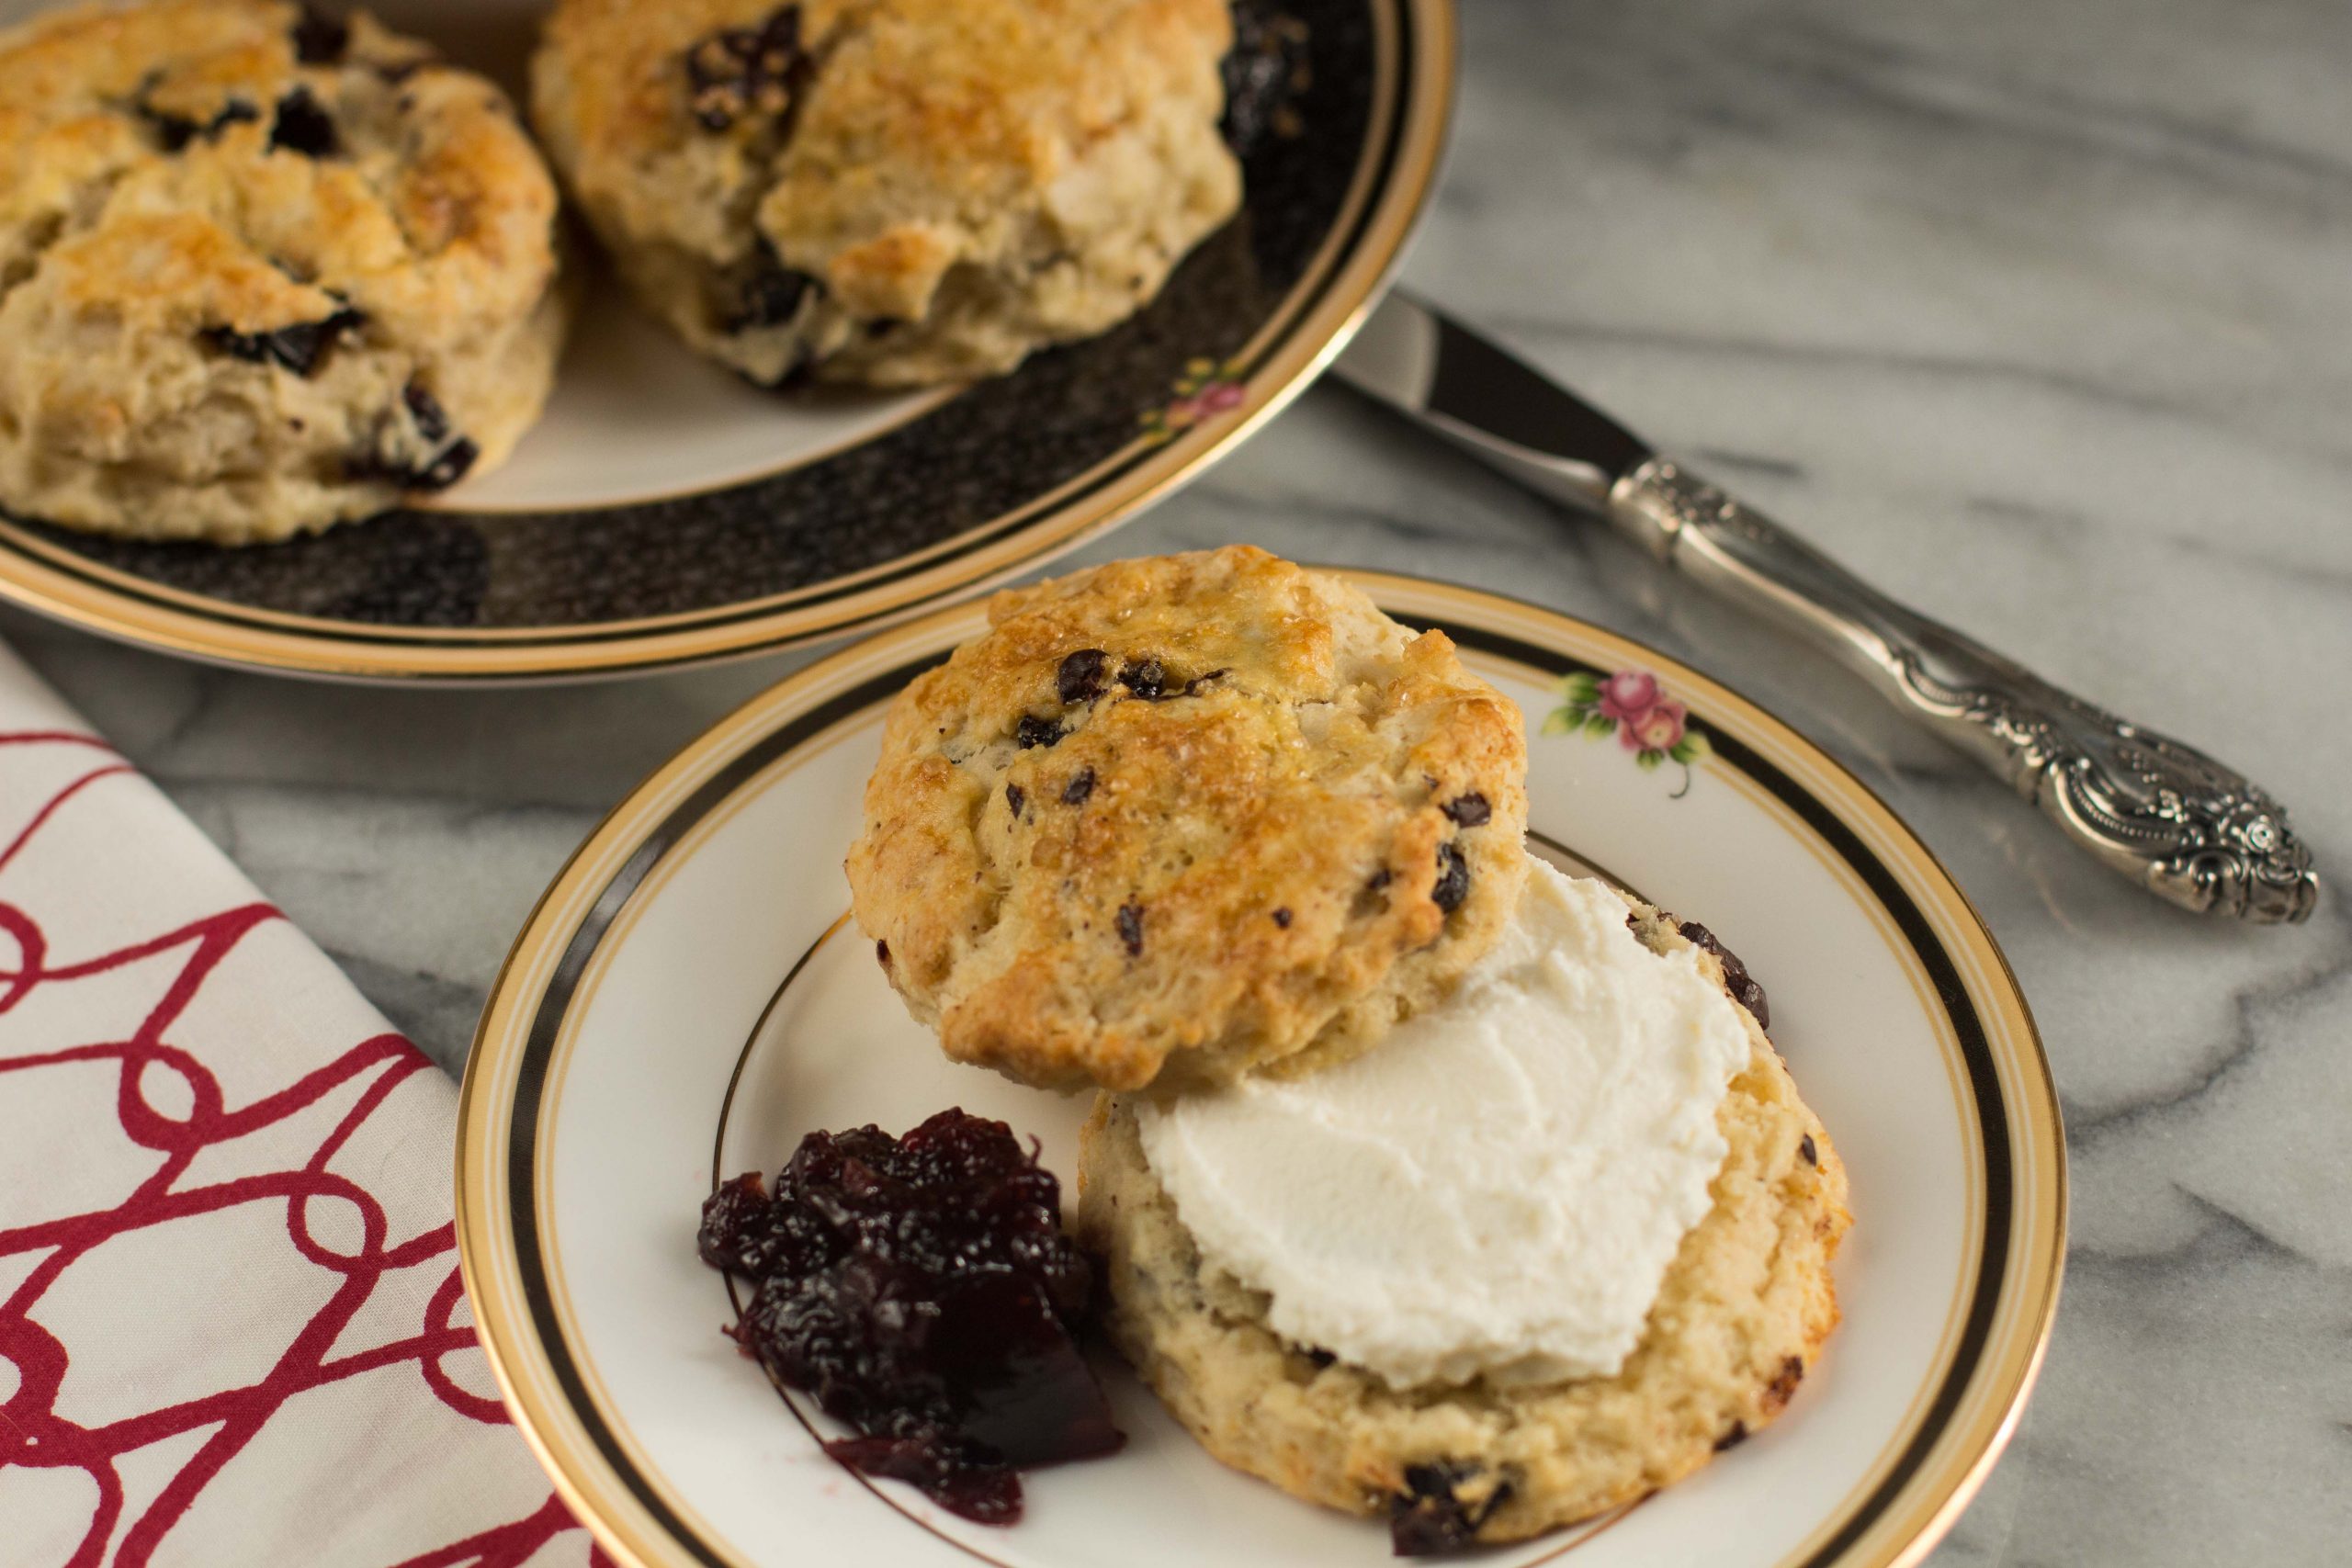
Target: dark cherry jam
[(921, 1290)]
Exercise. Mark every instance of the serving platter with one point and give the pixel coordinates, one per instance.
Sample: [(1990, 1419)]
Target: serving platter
[(689, 999), (665, 514)]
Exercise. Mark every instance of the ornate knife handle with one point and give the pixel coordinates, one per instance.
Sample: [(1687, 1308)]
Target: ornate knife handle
[(2162, 813)]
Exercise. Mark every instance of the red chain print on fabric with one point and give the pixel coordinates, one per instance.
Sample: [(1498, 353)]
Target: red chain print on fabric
[(31, 1432)]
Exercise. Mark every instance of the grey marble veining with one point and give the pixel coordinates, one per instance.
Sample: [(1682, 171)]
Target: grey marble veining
[(2038, 315)]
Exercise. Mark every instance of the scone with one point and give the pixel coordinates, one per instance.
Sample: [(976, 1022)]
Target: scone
[(889, 191), (1739, 1313), (261, 270), (1170, 820)]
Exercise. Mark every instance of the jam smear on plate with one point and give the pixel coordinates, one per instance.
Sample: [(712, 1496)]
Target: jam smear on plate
[(921, 1289)]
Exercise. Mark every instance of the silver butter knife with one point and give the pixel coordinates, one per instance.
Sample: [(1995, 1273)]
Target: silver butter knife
[(2161, 812)]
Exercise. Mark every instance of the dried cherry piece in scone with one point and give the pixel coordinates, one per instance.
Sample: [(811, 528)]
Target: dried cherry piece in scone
[(1468, 810), (1081, 676), (173, 132), (1432, 1514), (1035, 731), (445, 468), (771, 295), (300, 347), (424, 410), (1147, 679), (236, 111), (445, 460), (1452, 884), (1743, 986), (302, 125), (319, 39), (454, 463), (741, 72), (921, 1290)]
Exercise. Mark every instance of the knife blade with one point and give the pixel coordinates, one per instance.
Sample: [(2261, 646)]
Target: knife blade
[(2176, 822)]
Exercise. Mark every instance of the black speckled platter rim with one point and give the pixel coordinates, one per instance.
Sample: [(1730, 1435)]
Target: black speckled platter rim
[(68, 579)]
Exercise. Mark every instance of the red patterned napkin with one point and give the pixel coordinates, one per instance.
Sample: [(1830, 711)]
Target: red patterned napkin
[(231, 1325)]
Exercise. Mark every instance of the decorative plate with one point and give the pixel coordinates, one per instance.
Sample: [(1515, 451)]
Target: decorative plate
[(665, 514), (688, 1000)]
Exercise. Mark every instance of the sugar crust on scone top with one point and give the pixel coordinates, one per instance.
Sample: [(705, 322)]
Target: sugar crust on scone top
[(1173, 819)]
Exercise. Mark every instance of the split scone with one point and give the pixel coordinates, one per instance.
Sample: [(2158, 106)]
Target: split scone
[(1547, 1248), (261, 270), (1170, 820), (889, 191)]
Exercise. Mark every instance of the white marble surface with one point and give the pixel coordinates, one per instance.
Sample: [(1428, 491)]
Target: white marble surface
[(2038, 315)]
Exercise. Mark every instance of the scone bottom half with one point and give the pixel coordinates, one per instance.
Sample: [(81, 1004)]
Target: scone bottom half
[(1173, 820), (1741, 1317), (263, 268)]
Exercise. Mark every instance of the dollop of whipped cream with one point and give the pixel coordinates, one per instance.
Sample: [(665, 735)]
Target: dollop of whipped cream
[(1497, 1188)]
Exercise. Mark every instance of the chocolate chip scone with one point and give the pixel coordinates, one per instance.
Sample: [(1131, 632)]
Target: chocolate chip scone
[(261, 270), (1172, 820), (889, 191), (1741, 1312)]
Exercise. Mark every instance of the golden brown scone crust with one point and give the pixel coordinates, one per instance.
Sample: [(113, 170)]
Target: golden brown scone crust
[(1741, 1315), (150, 209), (1184, 889), (963, 180)]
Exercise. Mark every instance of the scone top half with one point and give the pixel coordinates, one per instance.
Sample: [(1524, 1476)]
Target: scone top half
[(1171, 820)]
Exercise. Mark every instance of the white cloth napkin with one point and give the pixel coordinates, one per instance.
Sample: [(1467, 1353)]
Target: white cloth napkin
[(231, 1330)]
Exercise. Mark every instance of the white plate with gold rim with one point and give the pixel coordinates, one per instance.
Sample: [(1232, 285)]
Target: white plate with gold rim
[(686, 1001)]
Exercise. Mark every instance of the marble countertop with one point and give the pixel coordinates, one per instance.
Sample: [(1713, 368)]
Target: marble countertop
[(2040, 317)]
